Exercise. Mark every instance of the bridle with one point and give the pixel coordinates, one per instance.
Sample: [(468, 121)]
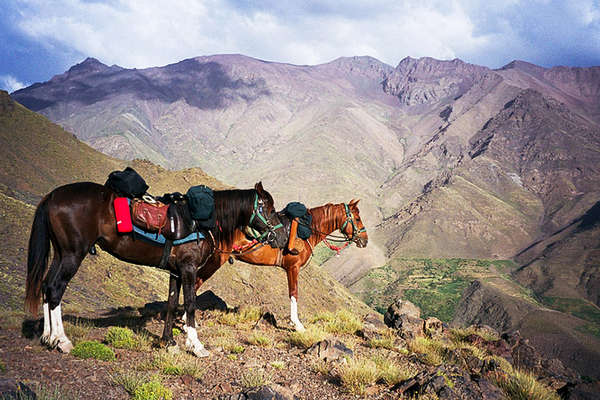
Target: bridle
[(257, 212), (355, 230), (347, 239)]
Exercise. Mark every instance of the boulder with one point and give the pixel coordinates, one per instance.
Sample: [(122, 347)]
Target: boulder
[(433, 327), (405, 317), (330, 350)]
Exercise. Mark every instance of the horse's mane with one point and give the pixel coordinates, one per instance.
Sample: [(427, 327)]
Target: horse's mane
[(233, 209), (324, 218)]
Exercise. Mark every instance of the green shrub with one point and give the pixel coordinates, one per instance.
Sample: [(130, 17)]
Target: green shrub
[(121, 338), (93, 349), (152, 390), (125, 338)]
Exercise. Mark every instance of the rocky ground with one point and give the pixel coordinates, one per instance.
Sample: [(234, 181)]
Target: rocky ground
[(340, 357)]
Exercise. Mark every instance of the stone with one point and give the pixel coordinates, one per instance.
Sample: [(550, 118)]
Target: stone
[(270, 392), (400, 307), (433, 327), (330, 350)]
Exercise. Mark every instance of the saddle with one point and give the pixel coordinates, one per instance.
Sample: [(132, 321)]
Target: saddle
[(149, 214)]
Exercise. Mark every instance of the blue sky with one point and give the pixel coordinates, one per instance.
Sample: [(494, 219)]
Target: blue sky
[(42, 38)]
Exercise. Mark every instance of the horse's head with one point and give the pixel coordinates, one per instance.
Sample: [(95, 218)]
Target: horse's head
[(353, 227), (265, 219)]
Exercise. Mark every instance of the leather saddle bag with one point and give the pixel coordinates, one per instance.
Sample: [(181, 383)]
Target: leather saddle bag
[(151, 217)]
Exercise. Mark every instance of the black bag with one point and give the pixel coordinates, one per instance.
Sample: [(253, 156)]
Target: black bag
[(127, 183), (201, 203), (299, 210)]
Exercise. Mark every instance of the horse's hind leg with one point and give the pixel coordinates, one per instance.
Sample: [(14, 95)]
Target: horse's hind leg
[(189, 301), (45, 339), (56, 284)]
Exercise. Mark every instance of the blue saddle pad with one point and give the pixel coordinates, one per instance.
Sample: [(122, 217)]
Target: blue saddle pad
[(160, 240)]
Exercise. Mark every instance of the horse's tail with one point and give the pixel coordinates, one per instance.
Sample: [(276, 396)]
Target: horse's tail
[(37, 257)]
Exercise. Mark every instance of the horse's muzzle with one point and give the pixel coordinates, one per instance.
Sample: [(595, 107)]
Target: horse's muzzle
[(362, 243)]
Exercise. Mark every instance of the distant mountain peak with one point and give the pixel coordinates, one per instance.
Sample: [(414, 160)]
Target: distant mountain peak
[(88, 65)]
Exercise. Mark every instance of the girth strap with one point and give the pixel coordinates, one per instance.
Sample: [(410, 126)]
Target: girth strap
[(165, 255)]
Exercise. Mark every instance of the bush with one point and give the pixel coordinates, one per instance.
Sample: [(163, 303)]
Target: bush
[(93, 349), (152, 390), (125, 338)]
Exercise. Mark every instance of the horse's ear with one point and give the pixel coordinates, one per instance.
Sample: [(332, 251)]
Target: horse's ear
[(354, 202), (259, 188)]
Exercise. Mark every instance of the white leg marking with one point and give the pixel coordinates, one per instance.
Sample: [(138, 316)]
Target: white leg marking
[(58, 337), (45, 339), (184, 319), (294, 315), (192, 344)]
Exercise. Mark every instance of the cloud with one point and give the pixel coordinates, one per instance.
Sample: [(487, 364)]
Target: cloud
[(10, 83), (142, 33)]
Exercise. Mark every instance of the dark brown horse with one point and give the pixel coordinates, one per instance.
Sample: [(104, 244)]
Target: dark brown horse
[(75, 217), (325, 220)]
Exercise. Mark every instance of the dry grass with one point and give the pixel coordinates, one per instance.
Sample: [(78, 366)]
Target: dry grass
[(386, 339), (174, 364), (243, 316), (258, 339), (77, 330), (432, 351), (255, 378), (277, 364), (313, 334), (459, 334), (391, 372), (357, 374), (321, 367), (340, 322), (521, 385)]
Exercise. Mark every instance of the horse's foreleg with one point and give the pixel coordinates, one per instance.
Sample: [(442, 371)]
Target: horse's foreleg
[(173, 299), (192, 343), (292, 277)]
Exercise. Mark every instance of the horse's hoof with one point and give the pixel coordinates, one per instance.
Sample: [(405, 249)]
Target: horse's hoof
[(298, 326), (45, 340), (199, 351), (65, 346)]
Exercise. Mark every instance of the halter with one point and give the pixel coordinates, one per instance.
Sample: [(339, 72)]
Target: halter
[(350, 218), (257, 212), (346, 239)]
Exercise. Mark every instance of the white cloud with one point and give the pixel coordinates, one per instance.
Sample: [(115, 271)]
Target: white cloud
[(145, 33), (10, 83), (142, 33)]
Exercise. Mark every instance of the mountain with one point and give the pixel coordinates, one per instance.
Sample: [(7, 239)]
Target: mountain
[(450, 159)]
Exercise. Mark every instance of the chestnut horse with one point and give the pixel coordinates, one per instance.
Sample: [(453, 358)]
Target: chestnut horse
[(325, 220), (77, 216)]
